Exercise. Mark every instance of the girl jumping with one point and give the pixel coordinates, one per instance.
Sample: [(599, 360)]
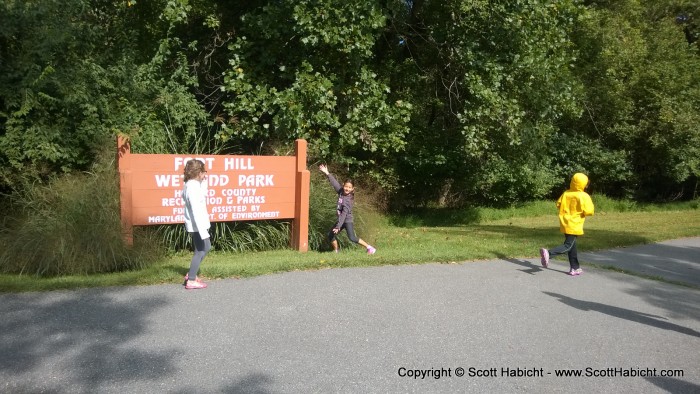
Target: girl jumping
[(346, 198)]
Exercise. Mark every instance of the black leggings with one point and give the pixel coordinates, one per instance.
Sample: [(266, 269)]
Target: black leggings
[(351, 233)]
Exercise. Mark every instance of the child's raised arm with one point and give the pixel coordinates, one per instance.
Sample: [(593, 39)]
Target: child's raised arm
[(334, 182)]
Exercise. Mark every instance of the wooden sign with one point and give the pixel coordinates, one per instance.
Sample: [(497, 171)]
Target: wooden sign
[(238, 188)]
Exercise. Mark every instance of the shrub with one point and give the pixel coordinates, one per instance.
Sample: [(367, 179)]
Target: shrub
[(71, 226)]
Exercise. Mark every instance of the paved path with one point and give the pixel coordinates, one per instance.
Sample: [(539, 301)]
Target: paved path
[(363, 330), (677, 260)]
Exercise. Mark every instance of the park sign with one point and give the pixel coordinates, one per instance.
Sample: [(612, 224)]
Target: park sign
[(239, 188)]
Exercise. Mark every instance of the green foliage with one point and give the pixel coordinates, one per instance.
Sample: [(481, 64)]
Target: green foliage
[(640, 91), (71, 226), (433, 101), (303, 69), (605, 204), (503, 184), (494, 79), (71, 79), (608, 171), (235, 237), (50, 85), (322, 216)]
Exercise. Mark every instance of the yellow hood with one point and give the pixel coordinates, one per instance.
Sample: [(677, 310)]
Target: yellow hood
[(578, 182)]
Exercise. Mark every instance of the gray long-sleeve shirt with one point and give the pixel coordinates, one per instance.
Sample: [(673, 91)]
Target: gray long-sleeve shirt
[(345, 202)]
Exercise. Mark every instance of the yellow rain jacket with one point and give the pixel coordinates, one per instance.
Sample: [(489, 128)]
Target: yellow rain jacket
[(574, 205)]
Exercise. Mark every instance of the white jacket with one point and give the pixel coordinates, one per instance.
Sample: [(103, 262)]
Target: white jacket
[(196, 213)]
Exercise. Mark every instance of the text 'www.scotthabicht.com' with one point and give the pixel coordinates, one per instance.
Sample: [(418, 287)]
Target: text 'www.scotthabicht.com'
[(533, 372)]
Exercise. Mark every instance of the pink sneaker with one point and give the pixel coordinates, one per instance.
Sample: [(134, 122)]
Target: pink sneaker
[(187, 277), (575, 272), (371, 250), (544, 257), (194, 285)]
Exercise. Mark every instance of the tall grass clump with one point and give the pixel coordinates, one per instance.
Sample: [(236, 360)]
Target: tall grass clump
[(236, 237), (71, 226), (322, 216), (252, 236), (604, 203)]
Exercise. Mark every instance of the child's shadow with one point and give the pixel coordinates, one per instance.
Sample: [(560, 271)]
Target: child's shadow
[(623, 313), (531, 268)]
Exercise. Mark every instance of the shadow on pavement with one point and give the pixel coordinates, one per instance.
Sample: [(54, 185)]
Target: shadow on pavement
[(622, 313), (530, 268), (674, 261), (673, 299), (251, 384), (673, 385), (88, 337)]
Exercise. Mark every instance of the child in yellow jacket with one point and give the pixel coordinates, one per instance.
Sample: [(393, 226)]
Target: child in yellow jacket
[(574, 205)]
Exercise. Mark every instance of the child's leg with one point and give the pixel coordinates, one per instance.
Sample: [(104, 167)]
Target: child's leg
[(573, 256), (351, 232), (201, 248), (333, 240), (569, 243), (354, 238)]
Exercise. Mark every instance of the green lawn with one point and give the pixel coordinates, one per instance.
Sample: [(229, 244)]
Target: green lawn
[(420, 239)]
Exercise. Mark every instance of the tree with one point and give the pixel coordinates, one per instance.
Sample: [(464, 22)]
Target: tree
[(452, 101), (303, 69), (488, 81), (639, 96), (76, 73)]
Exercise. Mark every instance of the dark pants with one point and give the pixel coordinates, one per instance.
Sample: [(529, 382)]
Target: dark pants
[(569, 247), (201, 248), (351, 233)]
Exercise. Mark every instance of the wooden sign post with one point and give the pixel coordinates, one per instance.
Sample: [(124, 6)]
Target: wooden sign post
[(239, 188)]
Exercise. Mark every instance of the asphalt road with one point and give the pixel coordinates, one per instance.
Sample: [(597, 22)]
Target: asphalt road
[(676, 260), (370, 330)]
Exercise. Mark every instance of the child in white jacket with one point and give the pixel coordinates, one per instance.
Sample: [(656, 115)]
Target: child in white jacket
[(196, 219)]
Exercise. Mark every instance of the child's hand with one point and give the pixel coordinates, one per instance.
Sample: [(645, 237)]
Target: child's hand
[(323, 168)]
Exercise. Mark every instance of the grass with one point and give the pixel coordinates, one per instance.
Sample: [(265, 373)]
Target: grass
[(424, 236)]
